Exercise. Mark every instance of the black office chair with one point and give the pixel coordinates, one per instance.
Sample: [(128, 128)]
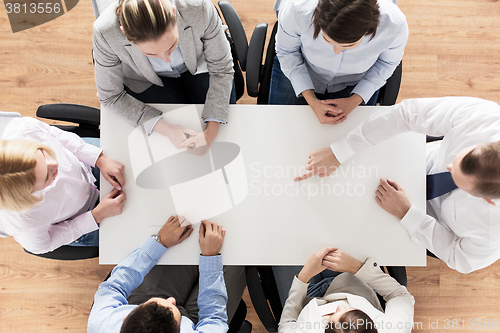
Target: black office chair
[(87, 120), (250, 56), (266, 300)]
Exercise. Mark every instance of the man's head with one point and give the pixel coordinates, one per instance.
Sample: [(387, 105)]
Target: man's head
[(157, 315), (346, 21), (476, 170)]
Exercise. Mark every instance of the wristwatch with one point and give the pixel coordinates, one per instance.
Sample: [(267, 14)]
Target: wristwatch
[(156, 237)]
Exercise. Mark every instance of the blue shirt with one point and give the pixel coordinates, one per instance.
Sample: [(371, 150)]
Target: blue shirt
[(312, 64), (111, 305), (174, 68)]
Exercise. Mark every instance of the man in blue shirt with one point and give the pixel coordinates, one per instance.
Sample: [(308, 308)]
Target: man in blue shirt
[(115, 308)]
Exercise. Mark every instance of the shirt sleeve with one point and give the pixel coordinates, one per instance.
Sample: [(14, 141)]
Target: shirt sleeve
[(212, 296), (44, 240), (110, 301), (461, 253), (110, 84), (293, 306), (383, 68), (431, 116), (400, 303), (85, 152), (217, 52), (288, 50)]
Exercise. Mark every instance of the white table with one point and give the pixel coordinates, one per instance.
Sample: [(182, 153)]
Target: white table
[(280, 222)]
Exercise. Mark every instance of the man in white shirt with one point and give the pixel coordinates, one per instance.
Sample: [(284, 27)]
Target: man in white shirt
[(462, 227)]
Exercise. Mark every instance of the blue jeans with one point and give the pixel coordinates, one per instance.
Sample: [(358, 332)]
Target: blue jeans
[(186, 89), (281, 91), (92, 238)]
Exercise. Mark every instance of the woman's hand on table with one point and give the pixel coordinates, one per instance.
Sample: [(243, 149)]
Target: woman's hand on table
[(314, 264), (112, 171), (199, 144), (111, 205), (326, 113), (177, 134), (339, 261), (344, 105)]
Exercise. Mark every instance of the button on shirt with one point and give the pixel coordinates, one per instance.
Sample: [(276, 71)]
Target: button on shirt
[(461, 229), (64, 213), (111, 305), (312, 64)]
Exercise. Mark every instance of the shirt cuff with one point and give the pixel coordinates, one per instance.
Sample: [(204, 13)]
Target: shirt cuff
[(342, 150), (87, 223), (365, 89), (151, 124), (152, 248), (211, 264), (412, 220), (89, 154), (369, 267), (215, 119)]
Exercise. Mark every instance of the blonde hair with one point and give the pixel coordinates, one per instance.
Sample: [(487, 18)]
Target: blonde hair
[(145, 20), (17, 173)]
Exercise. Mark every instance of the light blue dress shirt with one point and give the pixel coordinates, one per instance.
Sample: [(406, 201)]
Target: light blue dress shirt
[(312, 64), (111, 305)]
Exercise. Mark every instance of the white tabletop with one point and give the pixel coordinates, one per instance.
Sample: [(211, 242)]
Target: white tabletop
[(279, 222)]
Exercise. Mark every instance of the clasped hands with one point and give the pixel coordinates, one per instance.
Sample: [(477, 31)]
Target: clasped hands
[(328, 258), (182, 137), (177, 229)]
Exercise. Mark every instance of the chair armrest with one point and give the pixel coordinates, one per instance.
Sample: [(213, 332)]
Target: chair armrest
[(67, 252), (256, 289), (265, 80), (391, 88), (236, 30), (254, 59), (80, 114)]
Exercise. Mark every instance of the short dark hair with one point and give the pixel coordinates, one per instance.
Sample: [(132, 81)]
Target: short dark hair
[(150, 318), (346, 21), (353, 321), (483, 162)]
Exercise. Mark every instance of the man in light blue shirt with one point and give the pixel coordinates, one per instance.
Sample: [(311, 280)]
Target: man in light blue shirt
[(335, 54), (169, 298)]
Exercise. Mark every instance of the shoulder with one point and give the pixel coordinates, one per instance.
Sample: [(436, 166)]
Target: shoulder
[(18, 128), (107, 22), (390, 15), (191, 6)]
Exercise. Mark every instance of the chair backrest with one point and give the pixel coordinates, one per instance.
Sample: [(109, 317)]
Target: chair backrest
[(100, 5), (5, 118)]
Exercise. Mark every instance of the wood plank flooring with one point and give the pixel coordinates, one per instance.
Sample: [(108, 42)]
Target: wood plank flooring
[(453, 49)]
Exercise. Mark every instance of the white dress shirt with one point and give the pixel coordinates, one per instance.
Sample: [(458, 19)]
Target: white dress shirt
[(312, 64), (64, 213), (461, 229)]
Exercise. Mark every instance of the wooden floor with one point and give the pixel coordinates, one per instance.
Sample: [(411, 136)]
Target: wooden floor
[(453, 49)]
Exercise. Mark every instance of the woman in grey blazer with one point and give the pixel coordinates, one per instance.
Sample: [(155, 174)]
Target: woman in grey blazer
[(158, 51), (346, 302)]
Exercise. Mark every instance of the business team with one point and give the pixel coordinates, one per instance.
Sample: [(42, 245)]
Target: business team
[(330, 54)]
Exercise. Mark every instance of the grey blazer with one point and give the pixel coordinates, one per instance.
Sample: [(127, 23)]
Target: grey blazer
[(119, 62)]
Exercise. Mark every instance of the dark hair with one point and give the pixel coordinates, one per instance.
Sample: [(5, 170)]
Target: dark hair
[(150, 318), (483, 162), (145, 20), (346, 21), (353, 321)]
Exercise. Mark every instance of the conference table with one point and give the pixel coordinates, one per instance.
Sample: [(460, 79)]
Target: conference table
[(245, 182)]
